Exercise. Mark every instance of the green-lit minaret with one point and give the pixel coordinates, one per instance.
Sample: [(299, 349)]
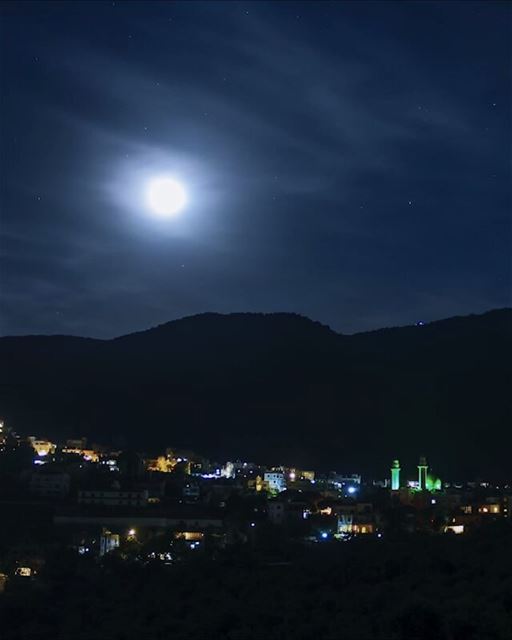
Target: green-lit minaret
[(395, 475), (422, 473)]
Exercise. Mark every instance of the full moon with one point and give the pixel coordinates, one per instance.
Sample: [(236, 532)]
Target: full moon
[(166, 196)]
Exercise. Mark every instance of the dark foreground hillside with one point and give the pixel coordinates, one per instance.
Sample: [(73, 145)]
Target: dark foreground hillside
[(277, 387), (416, 588)]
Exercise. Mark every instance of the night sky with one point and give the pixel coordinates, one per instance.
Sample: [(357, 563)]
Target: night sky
[(346, 161)]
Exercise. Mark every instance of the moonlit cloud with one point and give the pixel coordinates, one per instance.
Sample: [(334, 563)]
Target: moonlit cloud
[(340, 164)]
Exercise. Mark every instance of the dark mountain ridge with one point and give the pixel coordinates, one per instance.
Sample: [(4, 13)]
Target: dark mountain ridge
[(277, 387)]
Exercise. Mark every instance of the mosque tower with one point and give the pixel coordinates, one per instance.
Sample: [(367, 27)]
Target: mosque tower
[(422, 474), (395, 475)]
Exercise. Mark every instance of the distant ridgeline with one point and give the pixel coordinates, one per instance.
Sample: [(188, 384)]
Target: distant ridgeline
[(277, 387)]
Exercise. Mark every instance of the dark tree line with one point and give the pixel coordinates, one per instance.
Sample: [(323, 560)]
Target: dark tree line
[(410, 588)]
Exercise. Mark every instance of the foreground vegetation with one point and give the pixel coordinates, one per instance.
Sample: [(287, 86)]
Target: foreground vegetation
[(414, 588)]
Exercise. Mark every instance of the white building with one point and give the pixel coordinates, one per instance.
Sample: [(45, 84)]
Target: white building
[(276, 480), (108, 541), (353, 479)]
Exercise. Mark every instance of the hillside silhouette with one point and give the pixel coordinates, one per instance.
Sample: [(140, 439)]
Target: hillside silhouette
[(277, 388)]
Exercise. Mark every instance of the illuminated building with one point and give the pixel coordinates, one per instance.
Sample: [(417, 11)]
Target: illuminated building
[(295, 475), (108, 541), (341, 480), (42, 447), (395, 476), (232, 469), (241, 467), (162, 464), (422, 474), (87, 454), (258, 484), (189, 536), (111, 463), (276, 480), (356, 519), (433, 483), (345, 522), (454, 528), (427, 481), (5, 433), (490, 508), (352, 525), (3, 580), (228, 470)]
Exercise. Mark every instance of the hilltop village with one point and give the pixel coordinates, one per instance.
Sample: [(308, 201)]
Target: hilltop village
[(162, 508)]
